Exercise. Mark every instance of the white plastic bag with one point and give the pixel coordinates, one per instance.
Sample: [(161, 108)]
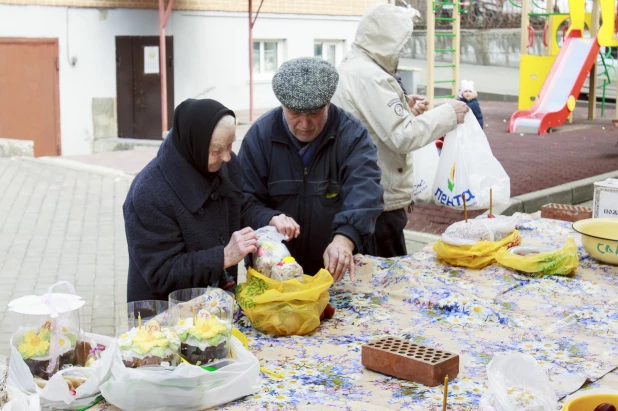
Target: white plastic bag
[(517, 383), (187, 387), (56, 393), (22, 402), (425, 166), (468, 168)]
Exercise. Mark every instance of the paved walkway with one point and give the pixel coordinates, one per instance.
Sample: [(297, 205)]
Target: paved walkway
[(59, 223)]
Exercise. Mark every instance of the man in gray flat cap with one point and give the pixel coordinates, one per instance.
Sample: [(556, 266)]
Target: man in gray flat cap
[(310, 169)]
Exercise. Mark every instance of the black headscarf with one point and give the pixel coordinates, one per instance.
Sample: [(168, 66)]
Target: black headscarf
[(194, 123)]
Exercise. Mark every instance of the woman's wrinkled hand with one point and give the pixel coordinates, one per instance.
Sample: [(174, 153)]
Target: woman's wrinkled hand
[(243, 242)]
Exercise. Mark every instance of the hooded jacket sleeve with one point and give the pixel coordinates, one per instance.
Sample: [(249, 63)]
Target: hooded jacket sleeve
[(158, 249), (476, 110), (393, 121), (255, 164), (360, 190)]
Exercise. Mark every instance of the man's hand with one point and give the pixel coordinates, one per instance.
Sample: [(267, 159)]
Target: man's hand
[(338, 257), (243, 242), (285, 225), (418, 104), (461, 109)]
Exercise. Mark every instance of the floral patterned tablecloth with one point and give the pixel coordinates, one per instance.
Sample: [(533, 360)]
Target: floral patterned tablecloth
[(569, 324)]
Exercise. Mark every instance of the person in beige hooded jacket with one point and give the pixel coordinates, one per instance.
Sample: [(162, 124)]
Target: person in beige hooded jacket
[(398, 124)]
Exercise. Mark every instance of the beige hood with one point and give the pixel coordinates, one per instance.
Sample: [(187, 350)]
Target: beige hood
[(383, 32)]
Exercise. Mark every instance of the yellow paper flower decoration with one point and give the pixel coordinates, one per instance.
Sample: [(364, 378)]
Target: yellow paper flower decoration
[(34, 344)]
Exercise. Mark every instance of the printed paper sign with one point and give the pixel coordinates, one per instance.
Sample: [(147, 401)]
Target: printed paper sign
[(151, 60)]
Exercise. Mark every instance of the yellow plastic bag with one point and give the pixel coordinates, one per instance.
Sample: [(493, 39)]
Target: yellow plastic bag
[(284, 307), (560, 262), (477, 255)]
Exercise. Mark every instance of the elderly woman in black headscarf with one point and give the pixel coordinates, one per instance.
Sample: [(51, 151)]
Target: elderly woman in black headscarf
[(182, 212)]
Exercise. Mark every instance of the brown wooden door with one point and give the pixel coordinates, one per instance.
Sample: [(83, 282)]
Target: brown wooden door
[(139, 92), (29, 102)]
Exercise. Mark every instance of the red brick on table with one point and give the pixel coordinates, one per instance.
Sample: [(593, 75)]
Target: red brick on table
[(410, 361), (565, 212)]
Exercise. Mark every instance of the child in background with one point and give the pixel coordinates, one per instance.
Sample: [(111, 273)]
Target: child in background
[(468, 95)]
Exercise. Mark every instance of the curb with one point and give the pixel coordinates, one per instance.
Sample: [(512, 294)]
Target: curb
[(77, 166), (575, 192), (416, 239)]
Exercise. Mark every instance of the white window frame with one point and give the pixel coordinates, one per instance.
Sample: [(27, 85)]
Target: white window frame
[(260, 74), (339, 49)]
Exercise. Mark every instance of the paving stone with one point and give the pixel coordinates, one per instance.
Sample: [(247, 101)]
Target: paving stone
[(58, 223)]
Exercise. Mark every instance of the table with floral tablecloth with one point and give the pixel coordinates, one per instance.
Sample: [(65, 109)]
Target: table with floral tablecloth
[(569, 324)]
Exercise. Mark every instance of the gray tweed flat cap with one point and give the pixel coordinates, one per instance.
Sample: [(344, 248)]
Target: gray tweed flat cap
[(305, 84)]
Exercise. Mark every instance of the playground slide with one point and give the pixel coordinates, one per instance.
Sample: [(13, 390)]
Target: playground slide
[(566, 78)]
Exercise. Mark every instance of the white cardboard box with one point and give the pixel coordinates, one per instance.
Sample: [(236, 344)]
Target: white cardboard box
[(605, 204)]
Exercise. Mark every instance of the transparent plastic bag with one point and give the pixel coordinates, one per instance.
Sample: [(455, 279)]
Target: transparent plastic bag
[(481, 228), (187, 387), (272, 258), (517, 383), (468, 168)]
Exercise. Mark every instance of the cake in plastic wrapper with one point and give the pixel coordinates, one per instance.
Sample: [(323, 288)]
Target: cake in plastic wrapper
[(482, 228), (270, 250), (287, 269), (202, 318), (46, 330), (144, 338)]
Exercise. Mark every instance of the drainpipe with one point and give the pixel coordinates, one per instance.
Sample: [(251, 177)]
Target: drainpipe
[(164, 14), (251, 24)]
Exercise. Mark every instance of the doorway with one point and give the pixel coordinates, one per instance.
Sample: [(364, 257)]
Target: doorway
[(29, 97), (138, 86)]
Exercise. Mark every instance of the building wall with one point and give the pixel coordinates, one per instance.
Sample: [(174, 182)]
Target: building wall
[(218, 65), (88, 36), (320, 7), (210, 54)]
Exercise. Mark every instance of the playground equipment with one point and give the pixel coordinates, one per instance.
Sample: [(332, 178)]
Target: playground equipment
[(562, 76), (450, 11)]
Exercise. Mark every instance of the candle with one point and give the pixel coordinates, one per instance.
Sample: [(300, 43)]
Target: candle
[(491, 214), (445, 393), (139, 321)]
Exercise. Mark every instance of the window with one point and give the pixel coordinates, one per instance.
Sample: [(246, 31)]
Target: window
[(329, 50), (266, 56)]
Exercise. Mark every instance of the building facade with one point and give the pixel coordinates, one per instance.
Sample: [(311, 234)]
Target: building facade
[(72, 71)]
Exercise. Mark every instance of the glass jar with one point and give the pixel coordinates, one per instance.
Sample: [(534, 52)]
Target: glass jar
[(202, 318), (47, 330), (144, 337)]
